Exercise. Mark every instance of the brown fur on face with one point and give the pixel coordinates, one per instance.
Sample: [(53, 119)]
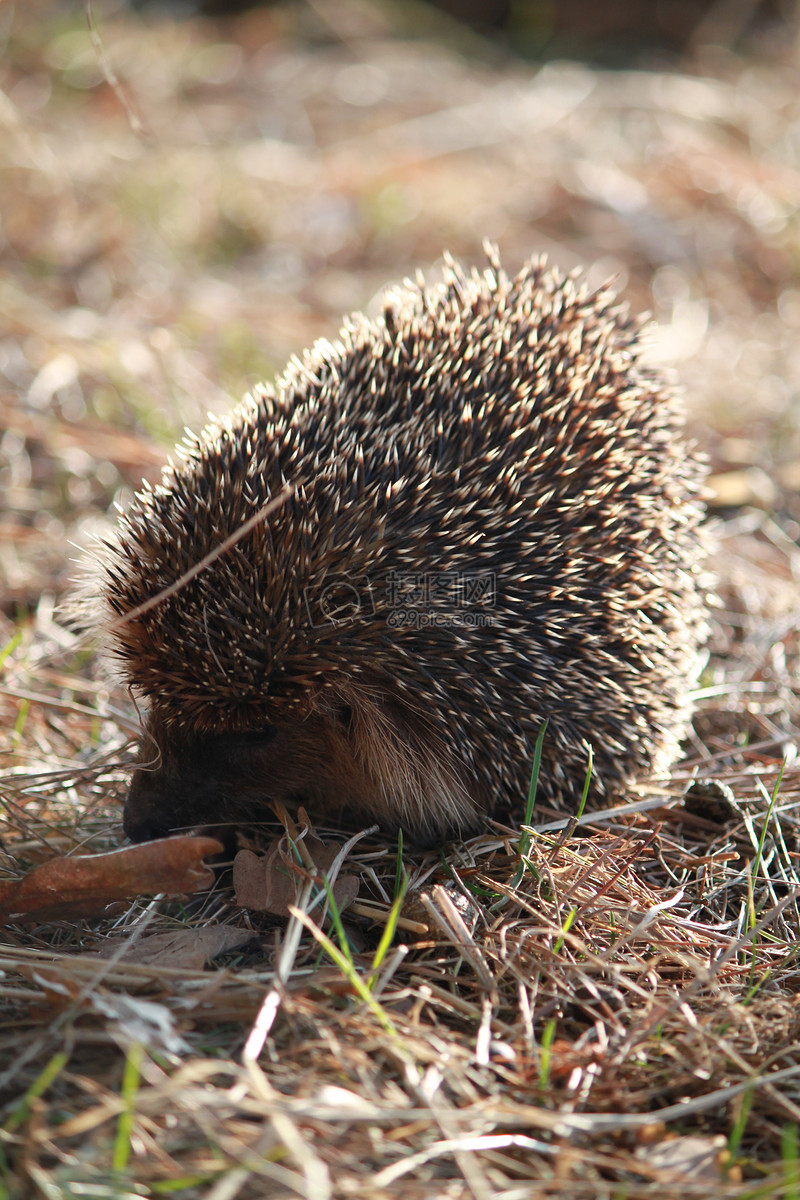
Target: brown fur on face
[(360, 751)]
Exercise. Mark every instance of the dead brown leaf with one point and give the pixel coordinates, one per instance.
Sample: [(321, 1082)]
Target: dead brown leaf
[(84, 885), (689, 1157), (266, 882), (186, 949)]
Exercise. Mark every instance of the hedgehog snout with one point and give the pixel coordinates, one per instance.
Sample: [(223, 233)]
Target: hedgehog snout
[(359, 749), (186, 780), (148, 813)]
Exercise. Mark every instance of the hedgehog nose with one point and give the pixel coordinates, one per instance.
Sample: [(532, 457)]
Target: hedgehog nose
[(143, 828), (147, 814)]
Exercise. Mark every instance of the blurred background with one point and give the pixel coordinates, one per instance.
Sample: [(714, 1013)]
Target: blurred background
[(192, 192)]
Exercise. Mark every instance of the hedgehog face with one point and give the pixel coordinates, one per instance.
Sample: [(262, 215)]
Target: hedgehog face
[(186, 779), (358, 749)]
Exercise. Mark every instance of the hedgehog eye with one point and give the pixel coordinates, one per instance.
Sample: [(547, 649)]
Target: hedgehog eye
[(257, 737), (344, 716)]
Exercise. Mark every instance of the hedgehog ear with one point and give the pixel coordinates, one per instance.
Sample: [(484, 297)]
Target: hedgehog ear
[(339, 711), (345, 716)]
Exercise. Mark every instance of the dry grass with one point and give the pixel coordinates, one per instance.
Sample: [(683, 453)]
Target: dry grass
[(604, 1011)]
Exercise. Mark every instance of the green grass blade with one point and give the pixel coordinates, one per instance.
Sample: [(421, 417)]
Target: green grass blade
[(39, 1086), (586, 785), (130, 1086), (10, 646), (387, 936), (548, 1035), (525, 836), (760, 851), (534, 784), (740, 1122), (336, 916), (399, 873), (790, 1161), (347, 969), (567, 924)]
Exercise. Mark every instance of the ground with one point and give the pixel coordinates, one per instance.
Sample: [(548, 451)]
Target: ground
[(185, 203)]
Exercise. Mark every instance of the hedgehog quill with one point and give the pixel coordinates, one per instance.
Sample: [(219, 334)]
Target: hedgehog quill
[(489, 517)]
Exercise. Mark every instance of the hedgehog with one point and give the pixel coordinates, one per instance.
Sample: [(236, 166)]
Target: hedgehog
[(368, 588)]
